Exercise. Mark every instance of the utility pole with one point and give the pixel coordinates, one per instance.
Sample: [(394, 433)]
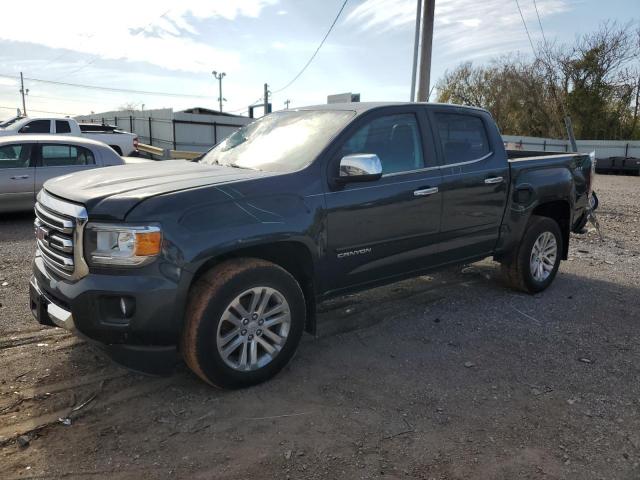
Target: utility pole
[(425, 50), (23, 92), (287, 102), (266, 98), (416, 43), (219, 77), (572, 137)]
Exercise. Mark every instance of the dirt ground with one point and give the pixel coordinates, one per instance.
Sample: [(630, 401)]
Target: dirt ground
[(447, 376)]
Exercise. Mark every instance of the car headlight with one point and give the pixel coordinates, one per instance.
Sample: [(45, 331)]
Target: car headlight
[(121, 245)]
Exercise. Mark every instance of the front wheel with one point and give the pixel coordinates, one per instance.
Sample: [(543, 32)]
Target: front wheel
[(536, 262), (244, 321)]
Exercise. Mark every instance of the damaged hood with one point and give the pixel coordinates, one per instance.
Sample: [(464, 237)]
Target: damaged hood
[(114, 191)]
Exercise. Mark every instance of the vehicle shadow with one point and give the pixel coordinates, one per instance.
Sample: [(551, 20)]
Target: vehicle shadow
[(91, 417)]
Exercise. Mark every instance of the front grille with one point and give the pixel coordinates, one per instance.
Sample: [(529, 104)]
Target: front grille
[(58, 228)]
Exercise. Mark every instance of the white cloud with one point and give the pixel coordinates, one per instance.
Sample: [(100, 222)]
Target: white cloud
[(162, 32), (470, 27), (282, 12)]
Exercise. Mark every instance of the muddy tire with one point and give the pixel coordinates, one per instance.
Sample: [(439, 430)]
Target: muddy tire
[(535, 264), (243, 323)]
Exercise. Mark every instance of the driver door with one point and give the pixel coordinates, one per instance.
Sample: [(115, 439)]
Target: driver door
[(386, 227)]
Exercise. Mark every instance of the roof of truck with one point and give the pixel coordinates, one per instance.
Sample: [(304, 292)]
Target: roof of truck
[(361, 107), (50, 138)]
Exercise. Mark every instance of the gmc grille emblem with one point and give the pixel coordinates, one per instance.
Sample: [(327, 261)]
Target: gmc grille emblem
[(42, 234)]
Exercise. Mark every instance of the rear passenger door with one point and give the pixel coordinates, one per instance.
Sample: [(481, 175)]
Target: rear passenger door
[(474, 182), (16, 177), (385, 227), (55, 160), (62, 127)]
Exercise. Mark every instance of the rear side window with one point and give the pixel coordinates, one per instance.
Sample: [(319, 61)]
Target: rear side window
[(463, 137), (37, 126), (62, 126), (395, 139), (65, 155), (14, 156)]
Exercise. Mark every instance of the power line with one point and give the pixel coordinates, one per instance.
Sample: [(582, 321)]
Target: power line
[(526, 29), (39, 111), (544, 38), (335, 20), (110, 89), (256, 101)]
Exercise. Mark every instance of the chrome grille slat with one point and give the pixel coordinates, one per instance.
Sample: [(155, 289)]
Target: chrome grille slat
[(60, 260), (64, 244), (59, 228), (48, 218)]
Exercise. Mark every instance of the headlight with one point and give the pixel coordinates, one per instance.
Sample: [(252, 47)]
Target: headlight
[(128, 245)]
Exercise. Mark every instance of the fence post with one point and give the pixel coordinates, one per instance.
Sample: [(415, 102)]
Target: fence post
[(626, 150), (215, 133), (131, 123), (115, 120), (173, 123), (544, 145), (150, 134), (102, 120)]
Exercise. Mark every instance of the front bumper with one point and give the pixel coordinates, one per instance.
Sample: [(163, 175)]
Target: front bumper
[(145, 340)]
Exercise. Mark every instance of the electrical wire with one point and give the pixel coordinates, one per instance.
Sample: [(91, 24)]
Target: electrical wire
[(544, 38), (526, 29), (39, 111), (547, 62), (109, 89), (243, 109), (335, 20)]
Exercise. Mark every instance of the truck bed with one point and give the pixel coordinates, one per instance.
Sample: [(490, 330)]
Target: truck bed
[(518, 154)]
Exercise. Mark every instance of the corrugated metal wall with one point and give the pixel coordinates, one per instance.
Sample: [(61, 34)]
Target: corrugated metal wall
[(603, 148)]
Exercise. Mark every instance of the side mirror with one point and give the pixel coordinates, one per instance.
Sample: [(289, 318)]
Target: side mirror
[(359, 167)]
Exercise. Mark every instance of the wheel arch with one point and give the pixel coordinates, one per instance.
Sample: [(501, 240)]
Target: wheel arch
[(293, 256), (117, 149), (560, 211)]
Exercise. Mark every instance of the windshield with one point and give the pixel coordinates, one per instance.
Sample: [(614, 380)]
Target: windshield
[(6, 123), (284, 141)]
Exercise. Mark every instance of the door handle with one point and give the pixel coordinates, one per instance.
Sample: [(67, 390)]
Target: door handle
[(20, 177), (492, 180), (424, 192)]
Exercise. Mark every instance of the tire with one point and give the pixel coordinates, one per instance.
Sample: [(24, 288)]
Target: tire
[(117, 149), (520, 270), (219, 316)]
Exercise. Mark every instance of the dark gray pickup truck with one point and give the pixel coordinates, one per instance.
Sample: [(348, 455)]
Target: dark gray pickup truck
[(224, 259)]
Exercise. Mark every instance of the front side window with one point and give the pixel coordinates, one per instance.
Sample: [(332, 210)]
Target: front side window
[(62, 126), (463, 137), (395, 139), (284, 141), (65, 155), (37, 126), (14, 156)]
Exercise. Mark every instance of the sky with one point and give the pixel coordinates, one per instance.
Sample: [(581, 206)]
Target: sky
[(172, 47)]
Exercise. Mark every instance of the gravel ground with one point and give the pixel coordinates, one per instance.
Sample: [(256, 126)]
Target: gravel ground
[(447, 376)]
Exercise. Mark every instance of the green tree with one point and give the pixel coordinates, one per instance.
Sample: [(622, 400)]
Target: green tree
[(596, 81)]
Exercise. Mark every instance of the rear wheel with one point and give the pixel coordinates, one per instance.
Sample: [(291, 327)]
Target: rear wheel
[(243, 324), (536, 262)]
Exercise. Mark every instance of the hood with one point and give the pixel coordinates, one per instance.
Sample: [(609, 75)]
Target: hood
[(111, 192)]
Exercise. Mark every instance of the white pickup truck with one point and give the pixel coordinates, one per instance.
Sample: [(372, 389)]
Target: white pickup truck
[(124, 143)]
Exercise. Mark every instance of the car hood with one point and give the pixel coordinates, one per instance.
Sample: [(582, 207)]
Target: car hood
[(111, 192)]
